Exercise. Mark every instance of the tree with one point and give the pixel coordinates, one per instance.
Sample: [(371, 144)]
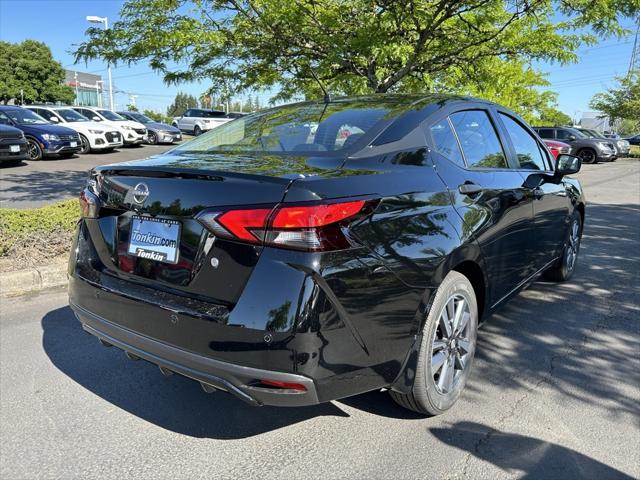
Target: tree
[(623, 102), (181, 104), (132, 108), (157, 117), (554, 117), (28, 70), (354, 47)]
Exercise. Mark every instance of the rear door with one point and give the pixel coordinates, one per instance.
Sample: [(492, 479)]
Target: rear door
[(489, 195), (550, 202)]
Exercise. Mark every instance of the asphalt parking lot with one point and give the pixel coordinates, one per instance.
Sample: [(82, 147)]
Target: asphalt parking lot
[(34, 184), (555, 391)]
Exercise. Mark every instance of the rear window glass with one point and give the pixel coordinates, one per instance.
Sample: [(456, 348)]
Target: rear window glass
[(445, 142), (303, 128), (478, 138)]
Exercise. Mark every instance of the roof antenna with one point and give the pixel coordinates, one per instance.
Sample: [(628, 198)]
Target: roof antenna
[(327, 95)]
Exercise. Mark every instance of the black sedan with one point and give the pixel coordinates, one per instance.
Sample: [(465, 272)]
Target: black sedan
[(320, 250), (13, 145), (157, 132)]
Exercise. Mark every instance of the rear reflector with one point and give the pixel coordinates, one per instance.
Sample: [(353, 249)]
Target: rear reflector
[(282, 385), (320, 227)]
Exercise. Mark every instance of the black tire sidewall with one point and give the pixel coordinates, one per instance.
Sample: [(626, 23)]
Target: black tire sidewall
[(153, 138), (595, 156), (33, 141), (197, 131), (424, 389), (84, 139)]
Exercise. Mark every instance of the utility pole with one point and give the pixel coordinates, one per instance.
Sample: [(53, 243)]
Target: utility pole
[(75, 81), (105, 22), (99, 92), (634, 64)]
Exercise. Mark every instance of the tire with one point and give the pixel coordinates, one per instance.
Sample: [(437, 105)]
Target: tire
[(197, 131), (152, 138), (588, 155), (563, 269), (33, 149), (431, 395), (85, 146)]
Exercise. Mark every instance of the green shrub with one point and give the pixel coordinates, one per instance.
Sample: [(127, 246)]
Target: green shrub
[(42, 228), (635, 151)]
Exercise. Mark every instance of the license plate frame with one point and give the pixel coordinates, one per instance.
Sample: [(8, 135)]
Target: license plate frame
[(141, 243)]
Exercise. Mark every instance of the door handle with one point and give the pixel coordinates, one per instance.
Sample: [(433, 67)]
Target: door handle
[(469, 189)]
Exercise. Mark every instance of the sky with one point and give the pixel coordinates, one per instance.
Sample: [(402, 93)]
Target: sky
[(61, 25)]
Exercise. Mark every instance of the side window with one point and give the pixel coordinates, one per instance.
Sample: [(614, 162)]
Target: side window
[(478, 139), (545, 132), (445, 141), (187, 113), (563, 134), (526, 147)]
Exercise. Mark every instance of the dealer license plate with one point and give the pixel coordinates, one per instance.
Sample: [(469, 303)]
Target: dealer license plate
[(155, 239)]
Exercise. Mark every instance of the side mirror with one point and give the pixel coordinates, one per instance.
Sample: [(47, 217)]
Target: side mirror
[(54, 119), (567, 164), (572, 138), (96, 118)]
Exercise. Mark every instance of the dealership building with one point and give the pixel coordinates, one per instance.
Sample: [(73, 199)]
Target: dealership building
[(87, 86)]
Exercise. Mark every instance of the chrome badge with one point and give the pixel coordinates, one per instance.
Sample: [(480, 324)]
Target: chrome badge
[(140, 192)]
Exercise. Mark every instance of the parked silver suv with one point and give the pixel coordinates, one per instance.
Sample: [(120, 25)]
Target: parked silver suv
[(590, 150)]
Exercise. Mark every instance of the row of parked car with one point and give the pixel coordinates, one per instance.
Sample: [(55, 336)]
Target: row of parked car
[(590, 145), (37, 131)]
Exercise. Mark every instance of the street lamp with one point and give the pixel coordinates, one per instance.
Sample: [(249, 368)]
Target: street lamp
[(105, 22)]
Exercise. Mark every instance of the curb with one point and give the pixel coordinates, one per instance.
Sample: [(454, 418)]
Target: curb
[(32, 280)]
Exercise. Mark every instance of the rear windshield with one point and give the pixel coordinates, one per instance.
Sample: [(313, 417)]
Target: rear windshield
[(317, 128)]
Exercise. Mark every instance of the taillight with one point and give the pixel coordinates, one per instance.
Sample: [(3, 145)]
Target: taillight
[(319, 227)]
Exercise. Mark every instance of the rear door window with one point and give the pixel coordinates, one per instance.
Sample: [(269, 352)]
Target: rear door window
[(478, 138), (526, 147), (546, 133), (445, 141), (563, 134)]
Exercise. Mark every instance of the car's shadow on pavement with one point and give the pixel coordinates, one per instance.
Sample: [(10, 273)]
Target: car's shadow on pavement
[(529, 457), (566, 336), (175, 403)]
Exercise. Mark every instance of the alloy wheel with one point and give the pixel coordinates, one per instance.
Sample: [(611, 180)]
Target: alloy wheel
[(153, 138), (85, 147), (451, 344), (33, 150), (573, 246)]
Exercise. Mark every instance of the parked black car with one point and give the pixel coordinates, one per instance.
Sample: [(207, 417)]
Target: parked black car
[(320, 250), (157, 132), (13, 145), (590, 150)]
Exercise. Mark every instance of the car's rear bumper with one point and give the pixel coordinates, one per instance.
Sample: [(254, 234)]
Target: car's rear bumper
[(212, 374)]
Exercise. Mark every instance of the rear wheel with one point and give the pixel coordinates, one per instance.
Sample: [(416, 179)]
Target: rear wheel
[(197, 130), (588, 155), (33, 149), (563, 269), (85, 146), (447, 349)]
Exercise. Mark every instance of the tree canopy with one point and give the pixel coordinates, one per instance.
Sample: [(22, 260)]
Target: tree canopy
[(28, 70), (352, 47), (622, 102), (181, 104)]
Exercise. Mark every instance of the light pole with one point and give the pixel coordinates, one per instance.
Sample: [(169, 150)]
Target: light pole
[(105, 22), (99, 92)]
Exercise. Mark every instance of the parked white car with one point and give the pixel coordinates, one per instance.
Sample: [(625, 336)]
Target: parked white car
[(198, 120), (93, 135), (133, 133)]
